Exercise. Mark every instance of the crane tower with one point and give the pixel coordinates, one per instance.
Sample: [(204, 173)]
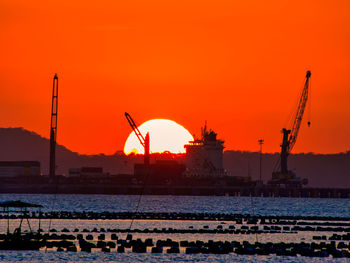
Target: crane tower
[(53, 129), (284, 176)]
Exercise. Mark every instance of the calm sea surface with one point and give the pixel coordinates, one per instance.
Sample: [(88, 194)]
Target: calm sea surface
[(195, 204), (211, 204)]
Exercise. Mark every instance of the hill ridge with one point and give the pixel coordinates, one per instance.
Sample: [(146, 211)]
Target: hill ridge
[(322, 170)]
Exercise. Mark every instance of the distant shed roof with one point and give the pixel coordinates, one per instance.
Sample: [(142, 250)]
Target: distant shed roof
[(19, 164), (18, 203)]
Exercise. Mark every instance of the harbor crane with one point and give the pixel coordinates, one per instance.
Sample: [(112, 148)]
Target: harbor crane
[(53, 129), (284, 176), (143, 140)]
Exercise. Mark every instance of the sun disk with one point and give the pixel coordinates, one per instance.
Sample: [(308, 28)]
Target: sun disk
[(165, 135)]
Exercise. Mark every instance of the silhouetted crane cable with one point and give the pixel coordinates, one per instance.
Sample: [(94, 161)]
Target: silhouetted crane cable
[(309, 106), (277, 165), (52, 206), (145, 143), (139, 201), (253, 210)]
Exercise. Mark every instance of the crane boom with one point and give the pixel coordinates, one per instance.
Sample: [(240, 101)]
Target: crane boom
[(290, 136), (135, 129), (143, 140), (300, 113)]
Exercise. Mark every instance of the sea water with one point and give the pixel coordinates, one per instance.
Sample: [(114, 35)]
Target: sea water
[(280, 206), (184, 204)]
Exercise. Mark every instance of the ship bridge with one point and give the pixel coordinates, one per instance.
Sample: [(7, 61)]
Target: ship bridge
[(204, 157)]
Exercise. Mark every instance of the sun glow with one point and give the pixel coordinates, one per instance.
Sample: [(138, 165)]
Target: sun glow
[(165, 135)]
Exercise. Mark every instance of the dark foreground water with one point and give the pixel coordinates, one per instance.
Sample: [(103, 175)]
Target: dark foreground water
[(211, 204), (51, 256)]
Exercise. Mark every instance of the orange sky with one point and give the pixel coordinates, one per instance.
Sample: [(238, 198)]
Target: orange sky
[(239, 65)]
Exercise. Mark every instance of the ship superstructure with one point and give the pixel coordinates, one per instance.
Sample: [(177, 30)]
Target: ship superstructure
[(204, 156)]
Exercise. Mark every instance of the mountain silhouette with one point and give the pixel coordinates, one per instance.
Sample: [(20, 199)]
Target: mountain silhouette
[(322, 170), (18, 144)]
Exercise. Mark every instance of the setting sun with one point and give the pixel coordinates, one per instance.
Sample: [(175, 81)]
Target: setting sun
[(165, 135)]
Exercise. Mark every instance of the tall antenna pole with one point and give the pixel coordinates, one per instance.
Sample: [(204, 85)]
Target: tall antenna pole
[(53, 129), (261, 142)]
